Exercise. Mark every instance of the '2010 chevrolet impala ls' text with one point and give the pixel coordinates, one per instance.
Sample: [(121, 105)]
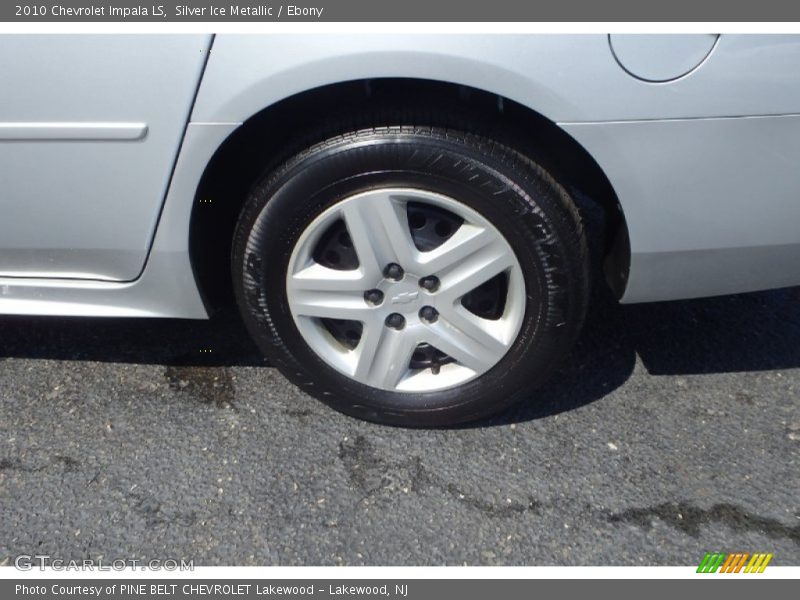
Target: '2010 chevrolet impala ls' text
[(401, 219)]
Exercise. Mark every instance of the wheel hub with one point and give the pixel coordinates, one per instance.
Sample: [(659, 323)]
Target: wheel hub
[(403, 295)]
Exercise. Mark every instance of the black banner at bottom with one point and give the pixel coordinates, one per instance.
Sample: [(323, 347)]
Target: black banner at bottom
[(362, 589)]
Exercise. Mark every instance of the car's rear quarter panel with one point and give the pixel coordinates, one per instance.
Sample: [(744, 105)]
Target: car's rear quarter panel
[(711, 199)]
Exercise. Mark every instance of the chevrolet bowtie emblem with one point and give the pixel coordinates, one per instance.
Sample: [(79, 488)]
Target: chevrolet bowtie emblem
[(404, 297)]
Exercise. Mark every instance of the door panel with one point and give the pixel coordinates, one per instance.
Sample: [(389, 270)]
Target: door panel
[(89, 130)]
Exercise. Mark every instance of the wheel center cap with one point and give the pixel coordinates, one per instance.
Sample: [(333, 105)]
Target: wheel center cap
[(403, 296)]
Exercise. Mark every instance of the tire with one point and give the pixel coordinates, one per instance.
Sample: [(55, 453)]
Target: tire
[(325, 196)]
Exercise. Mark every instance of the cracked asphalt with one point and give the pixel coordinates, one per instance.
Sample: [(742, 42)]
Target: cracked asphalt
[(672, 430)]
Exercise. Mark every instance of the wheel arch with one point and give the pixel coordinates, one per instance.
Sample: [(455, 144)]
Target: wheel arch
[(277, 131)]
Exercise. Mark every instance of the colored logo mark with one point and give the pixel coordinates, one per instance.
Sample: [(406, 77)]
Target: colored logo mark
[(734, 563)]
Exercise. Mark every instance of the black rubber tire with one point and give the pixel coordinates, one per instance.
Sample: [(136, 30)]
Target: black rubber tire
[(527, 205)]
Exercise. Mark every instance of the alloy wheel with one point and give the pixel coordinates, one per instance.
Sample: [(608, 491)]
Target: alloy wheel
[(405, 290)]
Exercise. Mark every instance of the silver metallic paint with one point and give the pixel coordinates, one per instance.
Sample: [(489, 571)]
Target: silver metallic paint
[(166, 287), (85, 205), (712, 205)]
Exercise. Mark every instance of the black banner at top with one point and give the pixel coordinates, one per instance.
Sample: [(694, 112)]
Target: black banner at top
[(45, 11)]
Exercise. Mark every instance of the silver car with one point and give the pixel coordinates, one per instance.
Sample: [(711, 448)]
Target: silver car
[(409, 224)]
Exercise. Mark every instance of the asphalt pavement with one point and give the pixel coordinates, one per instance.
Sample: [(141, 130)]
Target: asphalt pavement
[(672, 430)]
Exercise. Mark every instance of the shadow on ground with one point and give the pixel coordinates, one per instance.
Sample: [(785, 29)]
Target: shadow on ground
[(747, 332), (219, 342)]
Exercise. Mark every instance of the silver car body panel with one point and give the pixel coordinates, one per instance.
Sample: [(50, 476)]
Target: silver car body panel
[(705, 166), (90, 127), (566, 78), (166, 288), (724, 215)]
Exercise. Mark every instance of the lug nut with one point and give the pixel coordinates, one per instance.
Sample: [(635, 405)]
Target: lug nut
[(393, 271), (430, 283), (428, 314), (395, 321), (374, 297)]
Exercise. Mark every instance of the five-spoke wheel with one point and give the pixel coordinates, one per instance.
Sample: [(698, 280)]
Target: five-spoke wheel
[(402, 300)]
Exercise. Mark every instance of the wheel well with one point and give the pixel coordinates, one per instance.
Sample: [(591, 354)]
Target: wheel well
[(273, 135)]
